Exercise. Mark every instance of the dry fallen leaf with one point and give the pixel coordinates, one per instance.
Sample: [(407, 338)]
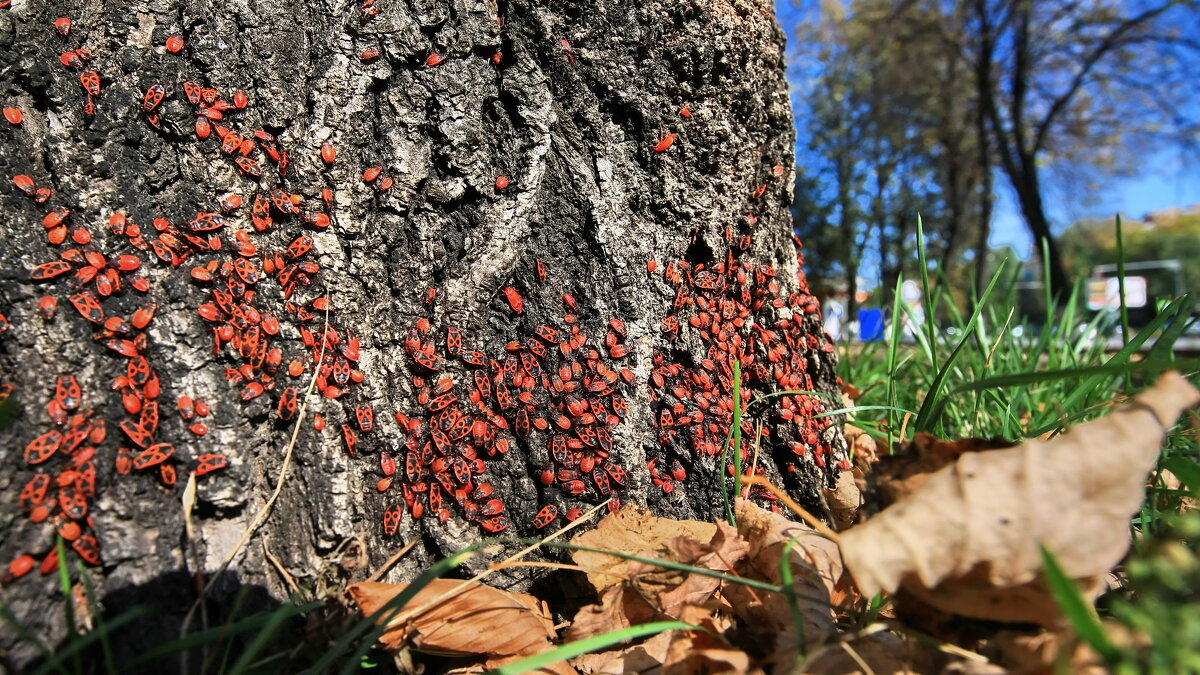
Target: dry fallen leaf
[(702, 654), (668, 589), (619, 607), (644, 657), (967, 541), (647, 591), (480, 620), (881, 652), (843, 500), (898, 476), (633, 529), (815, 564)]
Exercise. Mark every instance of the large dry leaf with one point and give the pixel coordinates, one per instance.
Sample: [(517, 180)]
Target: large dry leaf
[(967, 541), (700, 653), (633, 529), (898, 476), (480, 620)]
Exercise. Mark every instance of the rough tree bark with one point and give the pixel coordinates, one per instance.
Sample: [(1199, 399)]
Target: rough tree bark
[(570, 112)]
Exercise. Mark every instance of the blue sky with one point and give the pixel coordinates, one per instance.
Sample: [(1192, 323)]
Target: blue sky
[(1170, 183)]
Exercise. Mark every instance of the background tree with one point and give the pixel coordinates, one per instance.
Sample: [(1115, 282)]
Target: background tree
[(1024, 88), (889, 118), (1076, 84), (490, 158)]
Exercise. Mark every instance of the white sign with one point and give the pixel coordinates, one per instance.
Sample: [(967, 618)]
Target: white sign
[(1106, 293)]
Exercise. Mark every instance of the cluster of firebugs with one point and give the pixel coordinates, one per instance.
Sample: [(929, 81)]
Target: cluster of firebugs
[(552, 381)]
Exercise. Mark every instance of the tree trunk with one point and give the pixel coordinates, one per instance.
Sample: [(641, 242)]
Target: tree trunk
[(511, 137), (1029, 195), (984, 167)]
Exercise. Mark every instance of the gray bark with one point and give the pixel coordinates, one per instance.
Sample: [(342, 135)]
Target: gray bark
[(574, 131)]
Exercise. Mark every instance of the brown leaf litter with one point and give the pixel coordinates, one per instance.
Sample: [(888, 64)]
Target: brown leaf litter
[(963, 538)]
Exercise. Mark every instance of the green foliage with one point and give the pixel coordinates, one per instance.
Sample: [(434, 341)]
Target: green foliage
[(994, 374), (1163, 607), (1075, 607), (1011, 378)]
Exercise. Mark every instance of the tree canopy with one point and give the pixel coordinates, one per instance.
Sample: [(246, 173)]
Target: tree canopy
[(914, 105)]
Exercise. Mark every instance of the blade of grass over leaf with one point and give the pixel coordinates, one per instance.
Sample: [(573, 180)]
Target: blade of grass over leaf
[(681, 567), (1186, 470), (786, 580), (1077, 610), (591, 644)]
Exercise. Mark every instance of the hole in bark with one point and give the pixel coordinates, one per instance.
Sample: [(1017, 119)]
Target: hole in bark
[(683, 358), (699, 252)]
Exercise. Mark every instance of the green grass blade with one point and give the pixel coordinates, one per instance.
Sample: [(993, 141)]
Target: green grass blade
[(64, 585), (1164, 346), (1156, 324), (100, 634), (924, 421), (861, 408), (1077, 610), (729, 435), (263, 637), (786, 580), (737, 436), (1047, 289), (215, 634), (1121, 289), (227, 652), (893, 346), (1038, 377), (930, 322), (102, 628), (589, 645)]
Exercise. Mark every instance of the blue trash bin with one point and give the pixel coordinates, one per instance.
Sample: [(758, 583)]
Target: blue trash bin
[(870, 325)]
